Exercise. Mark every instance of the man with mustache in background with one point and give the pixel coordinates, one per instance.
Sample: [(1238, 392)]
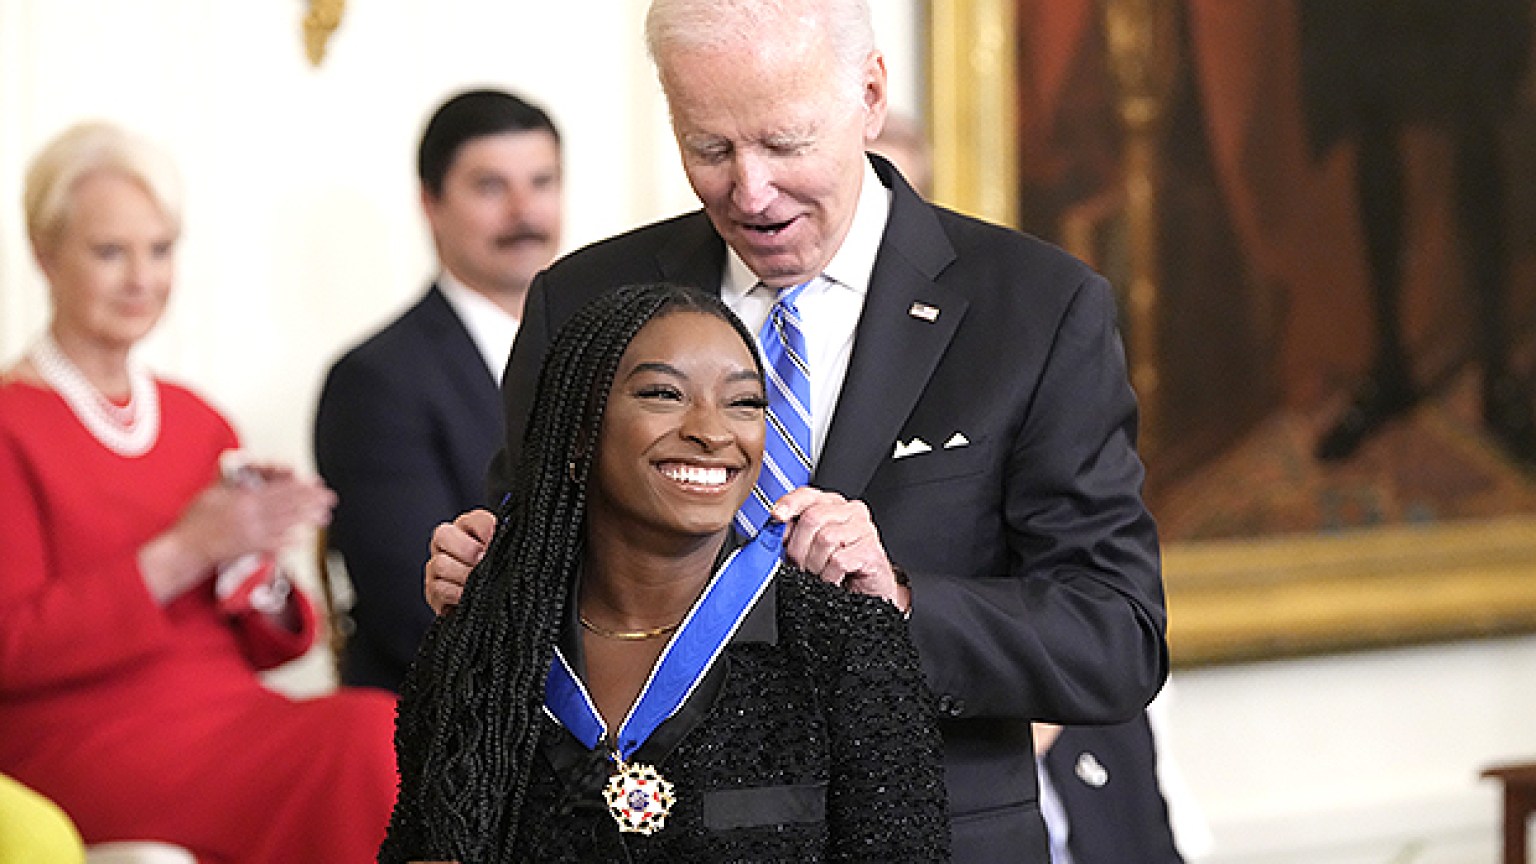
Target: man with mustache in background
[(409, 418)]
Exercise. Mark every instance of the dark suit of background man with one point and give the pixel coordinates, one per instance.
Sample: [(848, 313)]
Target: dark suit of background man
[(968, 388), (409, 418), (1104, 780)]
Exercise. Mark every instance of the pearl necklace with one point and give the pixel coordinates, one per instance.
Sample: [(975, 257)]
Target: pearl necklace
[(129, 430)]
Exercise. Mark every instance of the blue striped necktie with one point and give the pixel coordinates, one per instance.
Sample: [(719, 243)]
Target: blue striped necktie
[(787, 445)]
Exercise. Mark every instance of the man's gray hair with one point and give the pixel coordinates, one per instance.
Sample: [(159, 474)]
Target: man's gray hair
[(718, 24)]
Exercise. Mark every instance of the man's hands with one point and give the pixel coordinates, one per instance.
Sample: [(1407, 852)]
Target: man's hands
[(826, 535), (457, 547), (834, 538)]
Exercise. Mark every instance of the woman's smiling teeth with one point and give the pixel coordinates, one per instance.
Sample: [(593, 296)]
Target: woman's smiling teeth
[(696, 475)]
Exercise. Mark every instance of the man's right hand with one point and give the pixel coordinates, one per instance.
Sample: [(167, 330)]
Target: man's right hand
[(457, 547)]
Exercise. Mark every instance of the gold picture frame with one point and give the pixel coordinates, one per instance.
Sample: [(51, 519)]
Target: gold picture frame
[(1232, 600)]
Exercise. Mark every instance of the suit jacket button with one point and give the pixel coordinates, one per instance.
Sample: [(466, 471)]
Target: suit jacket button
[(956, 707), (947, 705)]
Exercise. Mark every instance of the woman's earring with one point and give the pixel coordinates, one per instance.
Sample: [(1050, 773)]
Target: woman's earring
[(570, 469)]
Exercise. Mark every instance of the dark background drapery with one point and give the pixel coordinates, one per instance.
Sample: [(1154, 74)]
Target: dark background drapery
[(1265, 301)]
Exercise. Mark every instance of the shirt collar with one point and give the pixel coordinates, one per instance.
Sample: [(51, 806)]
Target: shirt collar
[(468, 301), (854, 261), (490, 327)]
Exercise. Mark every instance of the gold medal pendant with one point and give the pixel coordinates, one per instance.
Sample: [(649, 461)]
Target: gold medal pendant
[(638, 798)]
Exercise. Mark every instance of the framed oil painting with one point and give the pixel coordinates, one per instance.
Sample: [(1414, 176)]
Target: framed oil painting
[(1320, 216)]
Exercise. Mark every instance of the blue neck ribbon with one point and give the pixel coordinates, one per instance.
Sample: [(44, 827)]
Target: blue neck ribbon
[(686, 659)]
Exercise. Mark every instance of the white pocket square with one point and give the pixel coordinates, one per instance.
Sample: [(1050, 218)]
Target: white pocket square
[(912, 448), (956, 440)]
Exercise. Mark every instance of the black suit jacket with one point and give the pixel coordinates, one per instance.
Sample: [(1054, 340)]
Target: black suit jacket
[(1035, 577), (406, 423), (1106, 778)]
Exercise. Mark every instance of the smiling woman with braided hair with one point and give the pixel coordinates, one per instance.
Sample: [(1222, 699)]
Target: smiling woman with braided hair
[(758, 714)]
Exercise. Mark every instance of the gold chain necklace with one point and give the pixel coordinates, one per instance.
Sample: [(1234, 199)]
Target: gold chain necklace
[(629, 635)]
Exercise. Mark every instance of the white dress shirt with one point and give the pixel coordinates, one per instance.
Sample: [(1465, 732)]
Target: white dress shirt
[(1055, 815), (829, 307)]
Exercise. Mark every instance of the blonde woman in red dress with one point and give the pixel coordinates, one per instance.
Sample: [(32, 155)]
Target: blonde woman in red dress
[(138, 592)]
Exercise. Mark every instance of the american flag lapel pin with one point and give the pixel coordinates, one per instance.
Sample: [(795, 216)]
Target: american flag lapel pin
[(924, 312)]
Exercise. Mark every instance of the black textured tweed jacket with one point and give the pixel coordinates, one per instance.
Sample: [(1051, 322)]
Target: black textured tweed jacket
[(812, 739)]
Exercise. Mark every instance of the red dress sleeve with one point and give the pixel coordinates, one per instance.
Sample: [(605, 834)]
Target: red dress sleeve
[(73, 515), (58, 627), (267, 644)]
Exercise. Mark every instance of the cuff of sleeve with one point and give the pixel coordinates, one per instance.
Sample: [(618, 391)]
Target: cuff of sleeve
[(240, 582)]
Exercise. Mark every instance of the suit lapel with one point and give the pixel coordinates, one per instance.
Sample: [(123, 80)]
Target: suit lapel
[(461, 362), (895, 347)]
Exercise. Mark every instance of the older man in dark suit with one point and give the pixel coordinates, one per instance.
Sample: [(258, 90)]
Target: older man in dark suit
[(971, 427), (408, 419)]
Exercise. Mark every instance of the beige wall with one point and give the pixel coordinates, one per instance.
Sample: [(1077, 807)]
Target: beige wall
[(303, 229)]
